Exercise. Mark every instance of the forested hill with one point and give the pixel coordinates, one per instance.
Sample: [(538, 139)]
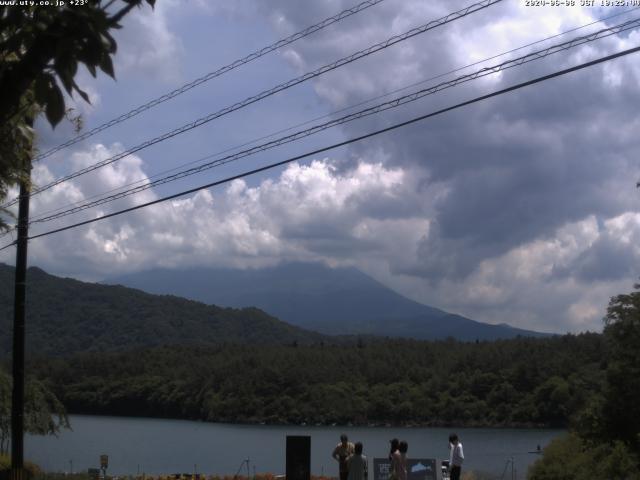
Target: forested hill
[(520, 382), (65, 316)]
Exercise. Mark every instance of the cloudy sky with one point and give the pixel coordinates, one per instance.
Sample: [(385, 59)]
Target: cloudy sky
[(520, 209)]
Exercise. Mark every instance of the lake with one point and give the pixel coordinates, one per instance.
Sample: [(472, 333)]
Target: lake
[(159, 446)]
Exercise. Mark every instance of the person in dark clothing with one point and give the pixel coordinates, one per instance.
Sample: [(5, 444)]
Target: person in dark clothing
[(357, 464), (395, 443)]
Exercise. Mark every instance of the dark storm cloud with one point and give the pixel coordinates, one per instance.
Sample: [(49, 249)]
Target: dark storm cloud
[(519, 166), (612, 256), (606, 260), (556, 173)]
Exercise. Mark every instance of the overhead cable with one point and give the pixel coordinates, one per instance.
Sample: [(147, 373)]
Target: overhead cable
[(405, 99), (329, 115), (266, 93), (344, 143), (211, 75)]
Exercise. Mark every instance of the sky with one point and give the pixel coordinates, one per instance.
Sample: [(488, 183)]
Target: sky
[(521, 208)]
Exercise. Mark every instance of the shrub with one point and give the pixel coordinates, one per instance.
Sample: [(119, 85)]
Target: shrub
[(32, 470), (570, 458)]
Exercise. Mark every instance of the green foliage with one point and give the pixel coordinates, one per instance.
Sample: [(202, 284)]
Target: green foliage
[(621, 410), (39, 45), (206, 364), (613, 413), (5, 412), (606, 443), (44, 414), (373, 382), (66, 316), (570, 458), (16, 144), (40, 48), (32, 470)]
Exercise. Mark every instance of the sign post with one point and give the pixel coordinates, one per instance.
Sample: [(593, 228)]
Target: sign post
[(104, 464), (298, 460), (417, 469)]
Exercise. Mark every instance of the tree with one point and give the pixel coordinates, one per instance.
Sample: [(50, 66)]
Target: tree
[(621, 409), (44, 413), (568, 457), (40, 48), (607, 441)]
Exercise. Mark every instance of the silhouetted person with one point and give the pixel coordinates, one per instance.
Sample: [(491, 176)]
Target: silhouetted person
[(341, 453), (357, 464), (456, 456), (399, 462), (395, 443)]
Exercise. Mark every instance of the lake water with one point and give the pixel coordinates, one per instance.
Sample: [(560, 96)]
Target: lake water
[(157, 446)]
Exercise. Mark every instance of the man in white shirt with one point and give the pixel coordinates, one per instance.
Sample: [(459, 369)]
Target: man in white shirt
[(456, 456)]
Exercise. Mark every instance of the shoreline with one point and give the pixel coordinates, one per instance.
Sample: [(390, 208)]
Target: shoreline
[(174, 446), (236, 423)]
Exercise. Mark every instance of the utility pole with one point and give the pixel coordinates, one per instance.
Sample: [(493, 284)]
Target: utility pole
[(17, 397)]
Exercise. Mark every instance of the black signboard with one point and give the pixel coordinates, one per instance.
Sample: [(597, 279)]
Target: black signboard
[(417, 469), (298, 461)]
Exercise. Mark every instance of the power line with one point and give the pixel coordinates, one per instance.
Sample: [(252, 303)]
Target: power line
[(335, 112), (211, 75), (403, 100), (346, 142), (84, 202), (206, 78), (471, 65), (266, 93)]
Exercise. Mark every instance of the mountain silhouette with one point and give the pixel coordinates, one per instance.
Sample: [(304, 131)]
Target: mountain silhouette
[(313, 296)]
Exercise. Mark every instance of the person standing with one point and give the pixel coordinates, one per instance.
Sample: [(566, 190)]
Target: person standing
[(357, 464), (456, 456), (341, 453), (395, 443), (399, 462)]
